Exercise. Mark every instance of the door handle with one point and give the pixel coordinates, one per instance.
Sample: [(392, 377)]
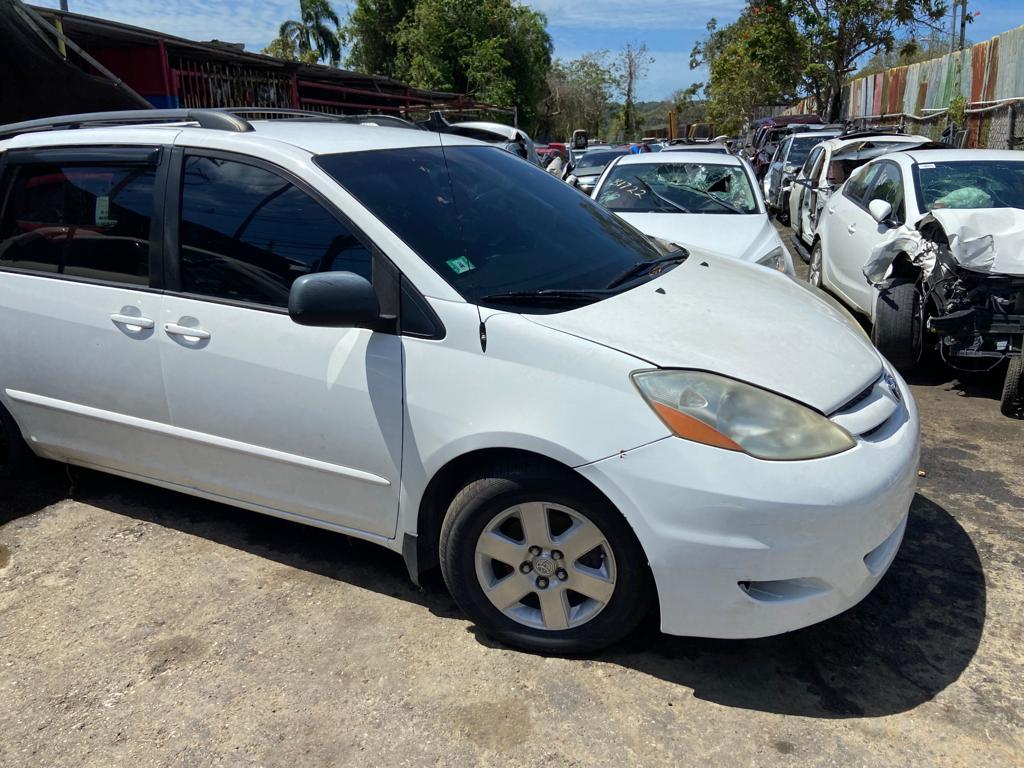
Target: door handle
[(134, 322), (183, 330), (831, 209), (851, 228)]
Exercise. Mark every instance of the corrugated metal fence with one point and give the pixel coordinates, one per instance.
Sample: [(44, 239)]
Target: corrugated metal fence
[(990, 75)]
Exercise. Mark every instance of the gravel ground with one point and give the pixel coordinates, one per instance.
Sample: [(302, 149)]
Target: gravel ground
[(146, 628)]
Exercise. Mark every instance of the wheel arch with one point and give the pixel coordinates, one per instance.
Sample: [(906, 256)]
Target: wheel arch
[(421, 555)]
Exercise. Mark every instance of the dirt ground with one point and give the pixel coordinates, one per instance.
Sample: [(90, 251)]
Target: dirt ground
[(141, 627)]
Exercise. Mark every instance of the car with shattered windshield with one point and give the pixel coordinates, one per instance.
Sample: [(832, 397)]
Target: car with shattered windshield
[(348, 326), (705, 201), (929, 245)]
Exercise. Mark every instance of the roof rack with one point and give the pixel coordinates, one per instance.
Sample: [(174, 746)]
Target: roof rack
[(216, 119), (233, 119)]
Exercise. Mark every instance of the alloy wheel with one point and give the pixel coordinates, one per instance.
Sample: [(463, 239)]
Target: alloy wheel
[(545, 566)]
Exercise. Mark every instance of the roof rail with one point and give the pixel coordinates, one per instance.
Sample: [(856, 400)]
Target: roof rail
[(283, 113), (216, 119)]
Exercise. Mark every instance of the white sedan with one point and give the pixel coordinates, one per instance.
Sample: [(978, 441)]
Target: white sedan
[(709, 202), (929, 245)]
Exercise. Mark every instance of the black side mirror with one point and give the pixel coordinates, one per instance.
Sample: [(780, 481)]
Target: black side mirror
[(333, 299)]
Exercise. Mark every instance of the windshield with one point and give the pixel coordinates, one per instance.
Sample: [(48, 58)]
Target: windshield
[(665, 187), (971, 184), (489, 223), (594, 161)]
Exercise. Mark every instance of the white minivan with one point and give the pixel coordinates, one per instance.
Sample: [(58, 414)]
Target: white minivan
[(426, 342)]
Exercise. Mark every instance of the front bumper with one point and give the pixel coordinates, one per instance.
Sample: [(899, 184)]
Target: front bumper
[(743, 548)]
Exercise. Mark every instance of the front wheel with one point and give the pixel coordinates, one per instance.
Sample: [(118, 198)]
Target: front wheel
[(1012, 402), (539, 560), (814, 269), (899, 325)]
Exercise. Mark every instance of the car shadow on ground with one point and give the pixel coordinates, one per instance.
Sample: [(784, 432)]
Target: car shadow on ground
[(982, 384), (906, 642)]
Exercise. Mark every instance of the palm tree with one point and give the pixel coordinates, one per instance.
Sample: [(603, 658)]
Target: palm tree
[(312, 33)]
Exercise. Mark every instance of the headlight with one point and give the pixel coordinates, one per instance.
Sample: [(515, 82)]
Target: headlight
[(728, 414), (775, 258)]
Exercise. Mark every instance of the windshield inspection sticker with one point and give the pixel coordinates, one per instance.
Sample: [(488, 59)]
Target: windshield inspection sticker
[(460, 265)]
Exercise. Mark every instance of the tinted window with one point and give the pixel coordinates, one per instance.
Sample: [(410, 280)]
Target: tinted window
[(859, 182), (800, 149), (888, 186), (79, 221), (488, 222), (812, 158), (594, 162), (247, 234)]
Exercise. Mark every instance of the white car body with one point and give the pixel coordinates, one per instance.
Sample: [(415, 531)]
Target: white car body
[(748, 237), (346, 428), (848, 232), (812, 186)]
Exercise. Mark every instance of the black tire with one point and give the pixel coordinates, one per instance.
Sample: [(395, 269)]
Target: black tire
[(488, 496), (1012, 402), (16, 460), (899, 322), (815, 266)]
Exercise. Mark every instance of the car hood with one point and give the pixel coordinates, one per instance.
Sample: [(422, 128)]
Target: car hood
[(747, 237), (738, 320)]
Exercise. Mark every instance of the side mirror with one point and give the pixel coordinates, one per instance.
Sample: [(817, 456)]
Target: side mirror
[(880, 211), (790, 168), (333, 299)]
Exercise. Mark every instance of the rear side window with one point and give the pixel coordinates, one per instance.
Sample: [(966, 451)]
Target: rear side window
[(247, 234), (79, 221)]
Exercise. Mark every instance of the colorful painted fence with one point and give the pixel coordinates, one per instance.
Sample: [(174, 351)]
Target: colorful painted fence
[(990, 75)]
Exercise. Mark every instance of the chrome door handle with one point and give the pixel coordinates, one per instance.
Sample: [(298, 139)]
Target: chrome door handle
[(851, 228), (183, 330), (134, 322)]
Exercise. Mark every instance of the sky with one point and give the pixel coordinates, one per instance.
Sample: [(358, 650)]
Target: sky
[(669, 27)]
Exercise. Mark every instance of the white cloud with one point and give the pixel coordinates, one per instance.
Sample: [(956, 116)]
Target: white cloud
[(635, 14)]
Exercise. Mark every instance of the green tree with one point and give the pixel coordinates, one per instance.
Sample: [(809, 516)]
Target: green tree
[(312, 32), (839, 34), (632, 64), (578, 94), (494, 50), (284, 48), (371, 32), (759, 59)]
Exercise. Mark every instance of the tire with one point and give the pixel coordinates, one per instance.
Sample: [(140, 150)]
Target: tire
[(814, 271), (16, 460), (899, 323), (1012, 402), (499, 513)]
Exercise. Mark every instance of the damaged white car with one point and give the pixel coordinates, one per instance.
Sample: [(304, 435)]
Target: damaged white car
[(707, 201), (929, 246)]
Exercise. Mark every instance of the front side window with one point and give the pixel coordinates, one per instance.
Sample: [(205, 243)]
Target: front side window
[(79, 221), (487, 222), (800, 149), (888, 186), (247, 234), (859, 181), (678, 188), (971, 184)]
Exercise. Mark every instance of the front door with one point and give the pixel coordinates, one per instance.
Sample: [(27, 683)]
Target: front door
[(283, 417), (79, 302)]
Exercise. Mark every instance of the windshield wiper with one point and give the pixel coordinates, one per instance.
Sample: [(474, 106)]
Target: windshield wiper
[(712, 198), (662, 198), (677, 257), (548, 295)]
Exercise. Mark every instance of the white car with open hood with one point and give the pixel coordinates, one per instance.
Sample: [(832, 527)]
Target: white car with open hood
[(696, 200), (929, 244), (342, 325)]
